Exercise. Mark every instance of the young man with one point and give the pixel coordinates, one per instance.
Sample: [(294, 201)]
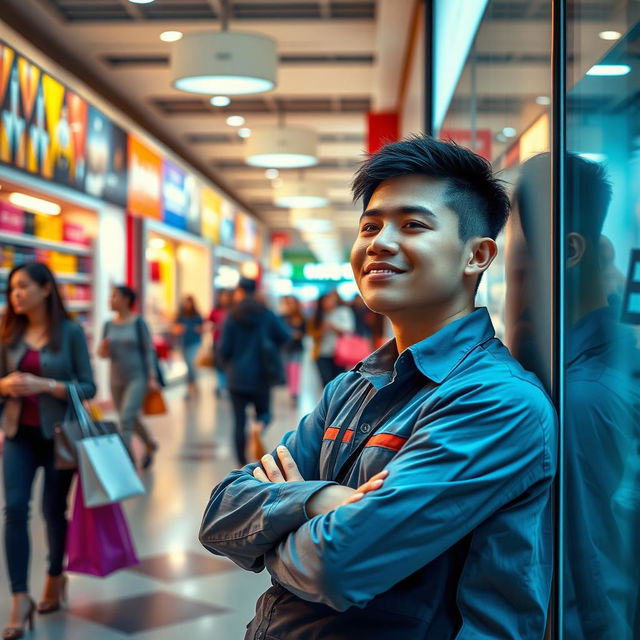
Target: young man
[(414, 501)]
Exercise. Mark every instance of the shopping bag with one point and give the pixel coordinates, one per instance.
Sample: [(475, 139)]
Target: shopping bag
[(154, 404), (204, 357), (98, 539), (351, 349), (107, 472)]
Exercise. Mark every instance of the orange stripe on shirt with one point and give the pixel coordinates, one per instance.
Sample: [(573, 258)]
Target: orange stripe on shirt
[(332, 433), (387, 441)]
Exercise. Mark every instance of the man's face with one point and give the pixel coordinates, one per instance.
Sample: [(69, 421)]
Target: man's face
[(408, 256)]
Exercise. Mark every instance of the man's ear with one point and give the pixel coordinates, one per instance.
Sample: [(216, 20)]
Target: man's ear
[(481, 252), (576, 246)]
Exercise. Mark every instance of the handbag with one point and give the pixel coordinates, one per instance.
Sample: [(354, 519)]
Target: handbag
[(106, 469), (98, 539), (351, 349), (67, 433), (154, 404), (204, 357)]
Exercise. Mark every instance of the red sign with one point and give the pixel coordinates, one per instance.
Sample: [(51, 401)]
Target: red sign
[(11, 218), (383, 127), (463, 137)]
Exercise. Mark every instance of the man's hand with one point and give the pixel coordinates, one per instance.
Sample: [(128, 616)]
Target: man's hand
[(284, 470), (335, 495)]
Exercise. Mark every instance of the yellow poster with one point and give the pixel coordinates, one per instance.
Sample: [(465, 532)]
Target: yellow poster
[(57, 125), (211, 204)]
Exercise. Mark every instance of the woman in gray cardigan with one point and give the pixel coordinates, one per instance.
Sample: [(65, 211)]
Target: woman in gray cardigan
[(41, 352)]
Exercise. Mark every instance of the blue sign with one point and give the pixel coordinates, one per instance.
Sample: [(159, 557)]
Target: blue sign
[(175, 196)]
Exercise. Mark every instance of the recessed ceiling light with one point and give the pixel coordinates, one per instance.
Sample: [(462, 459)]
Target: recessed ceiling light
[(610, 35), (244, 132), (141, 1), (509, 132), (220, 101), (282, 148), (609, 70), (305, 194), (271, 174), (157, 243), (170, 36), (35, 205), (235, 121), (545, 101)]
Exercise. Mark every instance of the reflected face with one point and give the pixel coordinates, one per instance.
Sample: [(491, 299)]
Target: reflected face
[(25, 294), (408, 255)]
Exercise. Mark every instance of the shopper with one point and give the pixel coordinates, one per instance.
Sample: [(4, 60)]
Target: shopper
[(188, 326), (216, 318), (41, 352), (414, 502), (293, 349), (126, 341), (251, 340), (332, 320)]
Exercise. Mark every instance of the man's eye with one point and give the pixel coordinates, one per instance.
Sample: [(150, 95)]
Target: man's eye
[(413, 224), (369, 227)]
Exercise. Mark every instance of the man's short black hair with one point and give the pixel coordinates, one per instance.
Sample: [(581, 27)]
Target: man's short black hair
[(128, 294), (478, 198), (248, 285)]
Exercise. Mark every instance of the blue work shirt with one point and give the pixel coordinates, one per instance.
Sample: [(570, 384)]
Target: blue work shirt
[(458, 541)]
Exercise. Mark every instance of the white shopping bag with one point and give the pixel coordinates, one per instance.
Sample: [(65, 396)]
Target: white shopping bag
[(107, 473)]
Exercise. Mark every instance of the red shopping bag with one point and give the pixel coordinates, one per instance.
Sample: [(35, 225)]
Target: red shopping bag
[(98, 538), (350, 349)]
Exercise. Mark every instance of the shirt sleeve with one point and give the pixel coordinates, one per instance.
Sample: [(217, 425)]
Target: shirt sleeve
[(463, 462), (281, 332), (245, 518), (82, 370)]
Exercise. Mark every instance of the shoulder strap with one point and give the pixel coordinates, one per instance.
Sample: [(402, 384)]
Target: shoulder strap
[(105, 329), (410, 390), (141, 346)]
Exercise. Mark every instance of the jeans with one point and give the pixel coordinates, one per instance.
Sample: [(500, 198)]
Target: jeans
[(240, 400), (23, 454), (128, 398), (190, 352)]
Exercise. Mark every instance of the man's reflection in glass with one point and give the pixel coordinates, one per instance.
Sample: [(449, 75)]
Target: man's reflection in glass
[(601, 463)]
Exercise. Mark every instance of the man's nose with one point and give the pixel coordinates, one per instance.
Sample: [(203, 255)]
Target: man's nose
[(385, 241)]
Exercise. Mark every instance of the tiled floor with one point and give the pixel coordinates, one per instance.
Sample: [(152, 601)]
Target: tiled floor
[(178, 590)]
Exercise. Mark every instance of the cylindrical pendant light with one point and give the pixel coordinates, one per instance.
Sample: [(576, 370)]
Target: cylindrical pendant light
[(224, 63), (306, 194), (282, 148)]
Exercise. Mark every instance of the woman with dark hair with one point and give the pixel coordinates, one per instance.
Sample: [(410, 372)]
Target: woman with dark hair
[(217, 317), (42, 352), (189, 327), (126, 341)]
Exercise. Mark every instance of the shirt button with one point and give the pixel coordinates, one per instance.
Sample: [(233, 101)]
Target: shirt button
[(365, 428)]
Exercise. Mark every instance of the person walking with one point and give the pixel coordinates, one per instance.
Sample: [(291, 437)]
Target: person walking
[(217, 318), (251, 340), (42, 352), (333, 318), (188, 326), (126, 342), (294, 318)]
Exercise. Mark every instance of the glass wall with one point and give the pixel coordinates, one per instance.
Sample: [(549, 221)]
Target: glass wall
[(600, 466), (587, 351)]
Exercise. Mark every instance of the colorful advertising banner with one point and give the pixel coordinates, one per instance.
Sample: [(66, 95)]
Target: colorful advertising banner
[(175, 202), (106, 175), (246, 233), (193, 190), (145, 181), (211, 205), (227, 225), (43, 124)]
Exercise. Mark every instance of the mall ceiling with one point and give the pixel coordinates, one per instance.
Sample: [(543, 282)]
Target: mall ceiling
[(329, 55)]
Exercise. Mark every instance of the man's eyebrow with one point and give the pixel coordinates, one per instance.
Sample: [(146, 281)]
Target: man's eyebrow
[(399, 211)]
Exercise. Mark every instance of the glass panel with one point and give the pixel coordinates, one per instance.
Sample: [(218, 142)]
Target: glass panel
[(501, 108), (600, 469)]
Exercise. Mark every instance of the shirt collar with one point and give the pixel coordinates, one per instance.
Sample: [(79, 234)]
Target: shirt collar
[(436, 356)]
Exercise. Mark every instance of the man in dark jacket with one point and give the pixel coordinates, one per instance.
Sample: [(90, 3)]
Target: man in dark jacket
[(414, 501), (251, 339)]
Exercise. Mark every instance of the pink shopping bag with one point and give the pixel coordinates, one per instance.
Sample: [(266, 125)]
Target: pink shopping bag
[(98, 539), (350, 349)]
